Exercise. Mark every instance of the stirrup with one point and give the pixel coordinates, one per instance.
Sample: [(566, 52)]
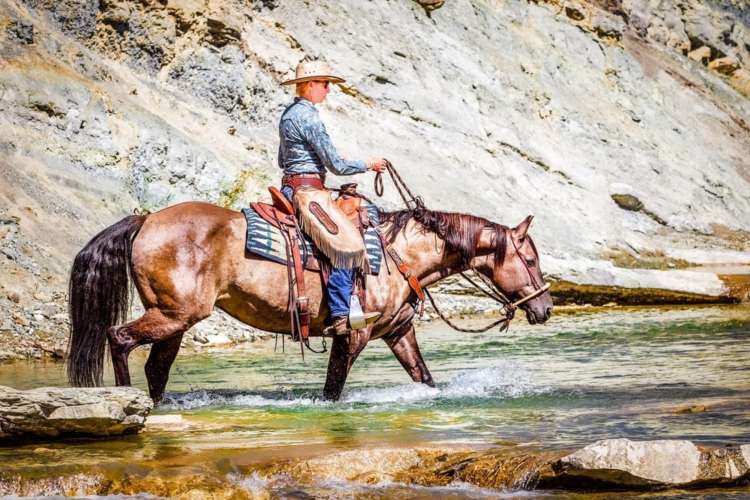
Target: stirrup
[(341, 325), (372, 317)]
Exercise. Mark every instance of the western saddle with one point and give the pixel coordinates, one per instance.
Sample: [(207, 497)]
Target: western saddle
[(281, 215)]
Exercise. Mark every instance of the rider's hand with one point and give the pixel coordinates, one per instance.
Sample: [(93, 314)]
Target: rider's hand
[(376, 164)]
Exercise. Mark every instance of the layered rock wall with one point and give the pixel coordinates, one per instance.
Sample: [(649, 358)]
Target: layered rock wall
[(622, 125)]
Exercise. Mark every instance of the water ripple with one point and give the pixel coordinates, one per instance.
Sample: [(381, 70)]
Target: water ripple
[(506, 381)]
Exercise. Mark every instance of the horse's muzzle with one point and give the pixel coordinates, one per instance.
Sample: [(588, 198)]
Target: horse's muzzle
[(534, 318)]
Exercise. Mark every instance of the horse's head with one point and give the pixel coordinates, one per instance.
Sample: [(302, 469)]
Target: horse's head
[(507, 257), (514, 270)]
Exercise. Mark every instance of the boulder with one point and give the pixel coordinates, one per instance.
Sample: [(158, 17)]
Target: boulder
[(614, 465), (53, 412), (623, 463)]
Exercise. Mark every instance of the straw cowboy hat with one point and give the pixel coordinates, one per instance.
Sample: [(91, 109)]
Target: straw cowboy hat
[(313, 70)]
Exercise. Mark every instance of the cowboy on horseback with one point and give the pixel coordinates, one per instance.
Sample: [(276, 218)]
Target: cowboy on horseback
[(306, 153), (187, 259)]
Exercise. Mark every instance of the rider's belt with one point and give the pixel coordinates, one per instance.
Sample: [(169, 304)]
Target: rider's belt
[(296, 181)]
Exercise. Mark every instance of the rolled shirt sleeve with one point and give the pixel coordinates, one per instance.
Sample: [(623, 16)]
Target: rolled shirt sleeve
[(317, 137)]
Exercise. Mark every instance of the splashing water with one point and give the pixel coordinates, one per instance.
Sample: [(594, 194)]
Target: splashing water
[(581, 378), (505, 381), (508, 380), (208, 399)]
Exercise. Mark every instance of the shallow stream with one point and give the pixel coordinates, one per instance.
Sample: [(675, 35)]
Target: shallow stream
[(584, 376)]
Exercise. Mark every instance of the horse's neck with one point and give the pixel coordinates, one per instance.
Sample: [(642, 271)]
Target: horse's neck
[(427, 255)]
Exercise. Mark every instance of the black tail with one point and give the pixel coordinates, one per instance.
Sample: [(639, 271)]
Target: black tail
[(98, 298)]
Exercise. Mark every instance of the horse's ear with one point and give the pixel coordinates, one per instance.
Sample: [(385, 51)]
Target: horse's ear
[(520, 230)]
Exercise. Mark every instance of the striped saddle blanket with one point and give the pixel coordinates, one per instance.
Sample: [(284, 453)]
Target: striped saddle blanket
[(265, 240)]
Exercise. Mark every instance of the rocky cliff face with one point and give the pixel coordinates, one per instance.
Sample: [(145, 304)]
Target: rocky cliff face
[(622, 125)]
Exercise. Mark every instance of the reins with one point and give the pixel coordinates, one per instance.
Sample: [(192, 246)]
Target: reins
[(412, 202), (509, 308)]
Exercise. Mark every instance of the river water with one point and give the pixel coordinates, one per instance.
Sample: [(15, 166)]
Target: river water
[(583, 376)]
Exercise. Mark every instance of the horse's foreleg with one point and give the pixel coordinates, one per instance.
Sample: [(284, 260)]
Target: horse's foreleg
[(344, 352), (406, 349), (159, 362)]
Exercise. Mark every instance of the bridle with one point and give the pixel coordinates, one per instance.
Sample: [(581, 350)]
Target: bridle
[(489, 289), (493, 292)]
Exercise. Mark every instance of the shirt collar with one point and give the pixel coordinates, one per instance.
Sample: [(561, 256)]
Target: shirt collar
[(304, 101)]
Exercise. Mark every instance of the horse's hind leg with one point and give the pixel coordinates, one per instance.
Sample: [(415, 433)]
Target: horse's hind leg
[(406, 349), (159, 362), (154, 326)]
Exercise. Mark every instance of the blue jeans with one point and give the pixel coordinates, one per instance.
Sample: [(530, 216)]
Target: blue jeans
[(340, 283)]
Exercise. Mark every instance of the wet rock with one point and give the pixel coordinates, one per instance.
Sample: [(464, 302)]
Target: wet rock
[(497, 469), (644, 463), (48, 413), (371, 466), (609, 465), (74, 485), (172, 423), (622, 463)]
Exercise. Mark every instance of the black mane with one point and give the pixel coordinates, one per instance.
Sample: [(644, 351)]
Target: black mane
[(459, 231)]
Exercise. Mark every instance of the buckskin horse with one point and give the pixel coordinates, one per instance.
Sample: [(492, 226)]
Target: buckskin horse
[(189, 258)]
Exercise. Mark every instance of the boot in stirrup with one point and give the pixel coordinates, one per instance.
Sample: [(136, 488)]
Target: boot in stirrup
[(340, 324)]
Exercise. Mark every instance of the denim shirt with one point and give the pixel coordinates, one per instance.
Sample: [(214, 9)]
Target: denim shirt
[(304, 144)]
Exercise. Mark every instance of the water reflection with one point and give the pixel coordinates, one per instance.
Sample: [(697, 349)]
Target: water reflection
[(581, 377)]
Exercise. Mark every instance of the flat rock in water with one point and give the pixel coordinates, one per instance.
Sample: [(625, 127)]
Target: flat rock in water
[(172, 422), (53, 412), (652, 464)]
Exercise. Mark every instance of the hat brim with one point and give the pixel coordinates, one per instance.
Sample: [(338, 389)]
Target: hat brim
[(330, 78)]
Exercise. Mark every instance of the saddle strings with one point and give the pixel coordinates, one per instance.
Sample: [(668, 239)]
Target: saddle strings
[(292, 299)]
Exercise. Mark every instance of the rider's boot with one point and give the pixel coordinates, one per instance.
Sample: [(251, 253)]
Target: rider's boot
[(340, 324)]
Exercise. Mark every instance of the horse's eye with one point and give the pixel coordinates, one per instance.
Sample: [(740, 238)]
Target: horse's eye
[(530, 262)]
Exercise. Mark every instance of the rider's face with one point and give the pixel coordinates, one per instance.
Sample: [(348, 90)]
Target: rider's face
[(317, 91)]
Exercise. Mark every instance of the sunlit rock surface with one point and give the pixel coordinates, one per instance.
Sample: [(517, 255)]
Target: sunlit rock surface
[(47, 413), (615, 466), (608, 465), (626, 463), (622, 125)]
